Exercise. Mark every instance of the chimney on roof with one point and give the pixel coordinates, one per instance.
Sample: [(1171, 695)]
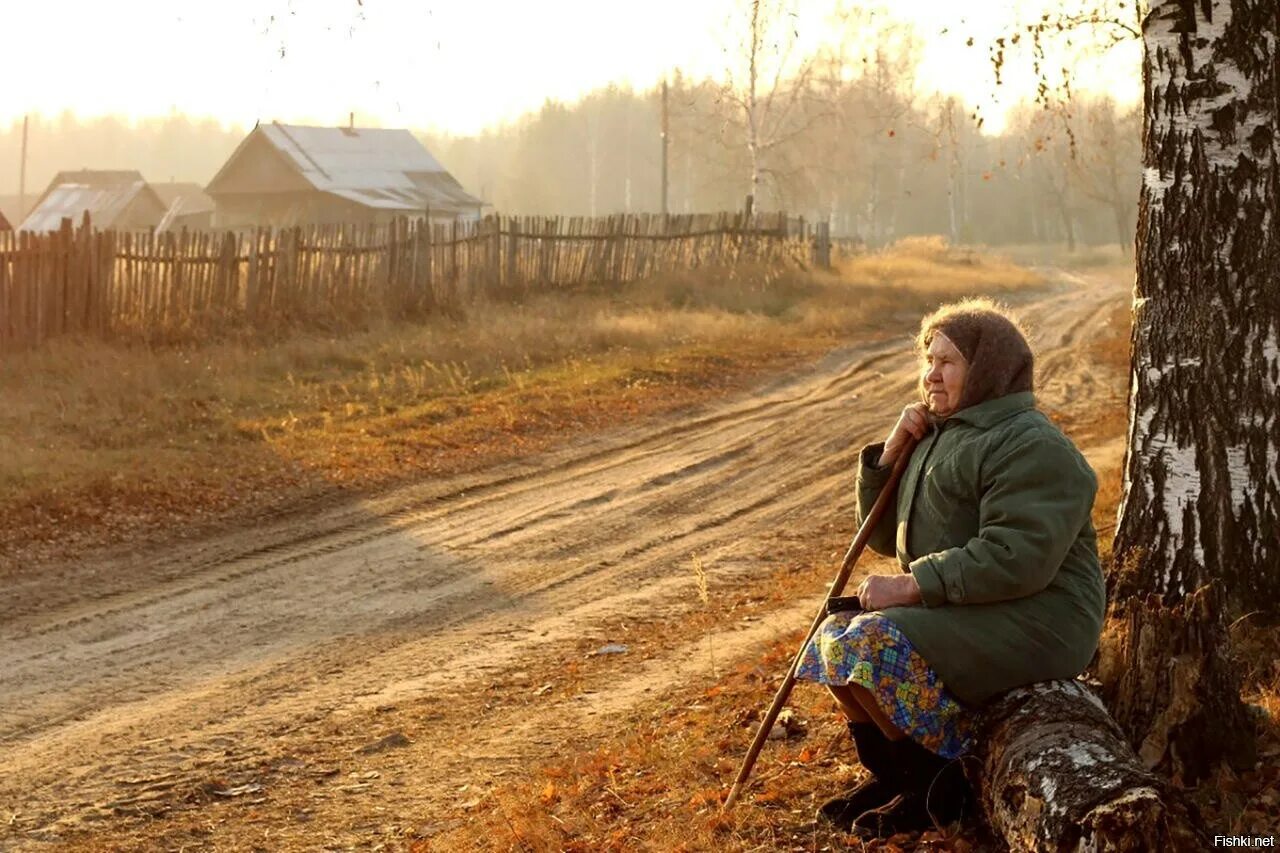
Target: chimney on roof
[(351, 122)]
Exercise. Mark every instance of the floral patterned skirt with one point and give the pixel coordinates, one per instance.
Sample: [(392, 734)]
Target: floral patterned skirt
[(867, 649)]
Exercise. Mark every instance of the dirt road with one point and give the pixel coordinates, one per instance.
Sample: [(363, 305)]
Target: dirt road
[(332, 680)]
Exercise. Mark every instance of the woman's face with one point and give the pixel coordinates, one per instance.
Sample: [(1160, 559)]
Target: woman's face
[(944, 371)]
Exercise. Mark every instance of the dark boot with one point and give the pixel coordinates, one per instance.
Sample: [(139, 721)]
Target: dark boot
[(941, 781), (934, 791), (871, 793)]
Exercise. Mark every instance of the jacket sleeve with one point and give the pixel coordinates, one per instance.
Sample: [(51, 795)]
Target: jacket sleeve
[(871, 481), (1037, 493)]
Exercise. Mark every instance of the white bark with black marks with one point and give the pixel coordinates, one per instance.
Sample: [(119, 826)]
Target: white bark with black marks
[(1201, 496), (1198, 537), (1054, 772)]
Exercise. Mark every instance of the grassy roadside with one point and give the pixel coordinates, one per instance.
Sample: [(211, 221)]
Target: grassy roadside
[(106, 444), (659, 785)]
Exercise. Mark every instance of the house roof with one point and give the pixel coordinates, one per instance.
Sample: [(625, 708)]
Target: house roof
[(382, 168), (104, 195), (180, 200), (4, 223), (191, 195)]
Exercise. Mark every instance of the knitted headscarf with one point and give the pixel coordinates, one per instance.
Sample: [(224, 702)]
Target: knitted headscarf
[(1000, 360)]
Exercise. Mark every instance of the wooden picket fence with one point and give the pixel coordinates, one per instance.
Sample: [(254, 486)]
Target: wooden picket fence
[(178, 286)]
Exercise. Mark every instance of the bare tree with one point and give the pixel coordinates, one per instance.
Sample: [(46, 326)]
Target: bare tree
[(949, 134), (1089, 151), (766, 85), (887, 110), (1047, 158), (847, 164), (1105, 161)]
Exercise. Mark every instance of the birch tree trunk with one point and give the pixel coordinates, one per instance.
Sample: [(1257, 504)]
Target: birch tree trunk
[(1201, 501), (1055, 772), (1202, 476)]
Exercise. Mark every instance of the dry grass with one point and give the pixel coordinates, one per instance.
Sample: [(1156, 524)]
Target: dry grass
[(931, 264), (105, 443), (659, 783), (1057, 255)]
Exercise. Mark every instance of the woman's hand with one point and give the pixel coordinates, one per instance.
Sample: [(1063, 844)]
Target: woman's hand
[(913, 424), (880, 591)]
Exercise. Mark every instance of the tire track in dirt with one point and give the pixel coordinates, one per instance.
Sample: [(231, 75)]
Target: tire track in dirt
[(202, 588), (210, 659), (346, 527)]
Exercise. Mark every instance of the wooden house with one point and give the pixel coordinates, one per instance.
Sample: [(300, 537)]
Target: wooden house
[(113, 199), (285, 175)]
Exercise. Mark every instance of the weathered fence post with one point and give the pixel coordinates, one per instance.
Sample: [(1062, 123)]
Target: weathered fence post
[(60, 307), (253, 279), (429, 250), (513, 251), (455, 276), (822, 246), (226, 281), (494, 273)]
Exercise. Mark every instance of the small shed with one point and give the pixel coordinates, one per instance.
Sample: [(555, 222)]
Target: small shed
[(292, 174), (186, 206), (113, 199)]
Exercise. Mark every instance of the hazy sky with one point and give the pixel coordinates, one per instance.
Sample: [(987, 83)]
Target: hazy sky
[(452, 66)]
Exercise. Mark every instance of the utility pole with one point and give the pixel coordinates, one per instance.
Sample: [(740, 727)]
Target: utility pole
[(666, 142), (22, 175)]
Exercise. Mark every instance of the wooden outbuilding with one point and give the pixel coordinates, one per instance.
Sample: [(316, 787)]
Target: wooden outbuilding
[(113, 199), (284, 175)]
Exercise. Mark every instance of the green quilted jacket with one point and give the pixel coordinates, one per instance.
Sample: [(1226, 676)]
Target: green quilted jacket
[(993, 520)]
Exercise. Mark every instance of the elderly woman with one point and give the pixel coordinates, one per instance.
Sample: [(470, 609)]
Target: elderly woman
[(1001, 584)]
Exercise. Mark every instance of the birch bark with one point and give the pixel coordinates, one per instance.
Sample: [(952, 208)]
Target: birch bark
[(1198, 537)]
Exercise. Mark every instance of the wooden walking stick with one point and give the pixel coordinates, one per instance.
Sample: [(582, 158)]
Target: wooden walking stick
[(837, 586)]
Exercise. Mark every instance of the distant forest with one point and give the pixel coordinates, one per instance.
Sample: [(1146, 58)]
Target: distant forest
[(843, 140)]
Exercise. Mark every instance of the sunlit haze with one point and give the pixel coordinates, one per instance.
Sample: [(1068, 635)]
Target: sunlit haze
[(452, 67)]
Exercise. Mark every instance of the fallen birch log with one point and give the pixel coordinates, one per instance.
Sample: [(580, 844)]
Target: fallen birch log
[(1055, 772)]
